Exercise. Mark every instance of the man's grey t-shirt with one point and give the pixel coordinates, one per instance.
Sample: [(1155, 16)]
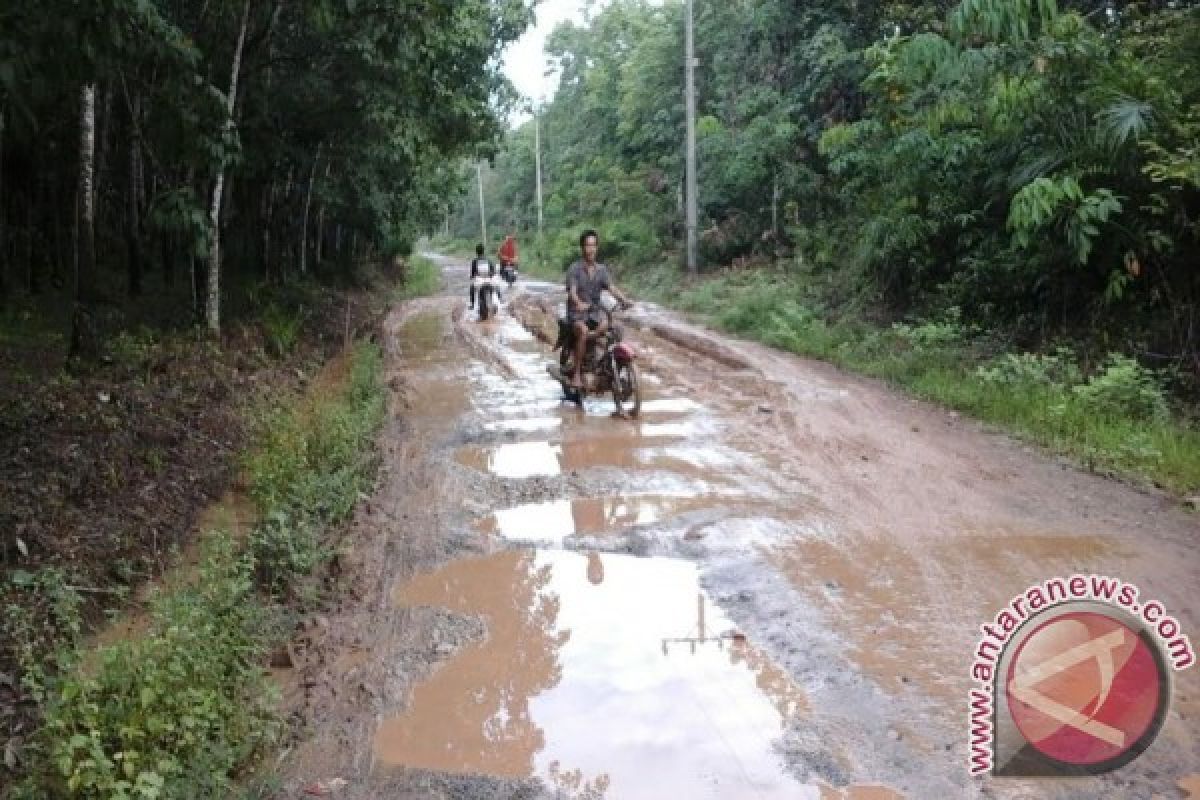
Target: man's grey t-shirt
[(588, 288)]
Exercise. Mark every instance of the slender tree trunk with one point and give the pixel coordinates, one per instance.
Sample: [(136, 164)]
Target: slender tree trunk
[(197, 308), (213, 307), (320, 254), (312, 179), (3, 215), (62, 249), (167, 255), (30, 273), (268, 219), (133, 217), (83, 334), (285, 203), (103, 124)]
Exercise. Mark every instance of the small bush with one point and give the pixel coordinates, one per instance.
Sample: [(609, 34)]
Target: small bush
[(1124, 388), (933, 334), (171, 714), (421, 278), (286, 545), (42, 625), (282, 328), (132, 350), (1057, 369)]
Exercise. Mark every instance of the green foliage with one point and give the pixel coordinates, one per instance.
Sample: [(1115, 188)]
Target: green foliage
[(941, 333), (41, 626), (1017, 371), (170, 714), (282, 328), (1124, 389), (133, 349), (175, 713), (1116, 420), (309, 469), (421, 278), (1031, 163)]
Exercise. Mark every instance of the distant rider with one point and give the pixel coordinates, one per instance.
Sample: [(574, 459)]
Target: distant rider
[(586, 281), (478, 264), (507, 254)]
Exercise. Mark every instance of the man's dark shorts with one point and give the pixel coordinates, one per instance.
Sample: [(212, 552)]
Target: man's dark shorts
[(592, 318)]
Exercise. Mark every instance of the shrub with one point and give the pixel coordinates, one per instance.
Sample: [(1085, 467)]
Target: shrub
[(42, 624), (282, 327), (171, 714), (1056, 369), (1124, 388), (932, 334)]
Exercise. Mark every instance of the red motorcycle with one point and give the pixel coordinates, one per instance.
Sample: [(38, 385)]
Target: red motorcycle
[(609, 365)]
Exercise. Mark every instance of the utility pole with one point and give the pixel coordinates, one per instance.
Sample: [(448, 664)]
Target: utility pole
[(482, 216), (690, 71), (537, 165)]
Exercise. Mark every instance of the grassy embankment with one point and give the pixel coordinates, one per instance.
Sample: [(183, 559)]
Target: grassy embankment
[(184, 708)]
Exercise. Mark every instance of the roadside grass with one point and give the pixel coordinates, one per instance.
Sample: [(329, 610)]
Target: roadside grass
[(1116, 419), (421, 278), (185, 709)]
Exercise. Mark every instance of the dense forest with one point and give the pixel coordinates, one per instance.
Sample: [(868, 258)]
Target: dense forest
[(1030, 167), (164, 149)]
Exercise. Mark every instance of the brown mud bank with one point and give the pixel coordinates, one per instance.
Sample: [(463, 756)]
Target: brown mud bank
[(769, 585)]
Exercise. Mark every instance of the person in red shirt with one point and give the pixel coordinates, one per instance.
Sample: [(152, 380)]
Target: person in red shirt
[(508, 251)]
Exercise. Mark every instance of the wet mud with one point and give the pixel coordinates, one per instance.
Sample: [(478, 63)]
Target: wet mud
[(769, 585)]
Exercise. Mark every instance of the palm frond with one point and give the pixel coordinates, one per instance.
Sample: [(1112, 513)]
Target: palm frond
[(1124, 120)]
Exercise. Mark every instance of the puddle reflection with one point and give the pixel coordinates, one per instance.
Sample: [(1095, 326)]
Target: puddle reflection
[(615, 666), (552, 522)]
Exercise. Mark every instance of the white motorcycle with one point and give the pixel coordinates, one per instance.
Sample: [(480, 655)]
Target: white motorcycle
[(487, 295)]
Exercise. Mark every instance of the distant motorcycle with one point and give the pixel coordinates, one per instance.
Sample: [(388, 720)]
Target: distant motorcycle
[(608, 366), (487, 295), (508, 271)]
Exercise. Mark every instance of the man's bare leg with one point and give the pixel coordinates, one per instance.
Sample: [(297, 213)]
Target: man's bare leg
[(581, 341)]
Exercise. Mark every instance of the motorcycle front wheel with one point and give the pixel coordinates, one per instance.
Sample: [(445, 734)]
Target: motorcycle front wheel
[(626, 390)]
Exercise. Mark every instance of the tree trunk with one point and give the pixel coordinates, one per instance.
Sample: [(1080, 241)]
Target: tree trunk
[(213, 306), (83, 334), (312, 179), (268, 219), (30, 273), (3, 249), (133, 217), (103, 124), (320, 243), (167, 254)]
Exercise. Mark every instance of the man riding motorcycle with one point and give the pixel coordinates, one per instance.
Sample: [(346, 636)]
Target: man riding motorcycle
[(478, 264), (586, 281), (507, 256)]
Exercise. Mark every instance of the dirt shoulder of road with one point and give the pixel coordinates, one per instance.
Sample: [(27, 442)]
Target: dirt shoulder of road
[(108, 471)]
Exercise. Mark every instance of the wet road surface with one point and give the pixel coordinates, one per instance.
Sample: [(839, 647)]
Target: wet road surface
[(769, 585)]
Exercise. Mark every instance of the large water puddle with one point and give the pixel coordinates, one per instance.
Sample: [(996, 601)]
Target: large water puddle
[(528, 459), (615, 666), (552, 522), (516, 460)]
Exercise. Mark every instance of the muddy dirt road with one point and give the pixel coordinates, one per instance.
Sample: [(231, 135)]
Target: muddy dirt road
[(770, 585)]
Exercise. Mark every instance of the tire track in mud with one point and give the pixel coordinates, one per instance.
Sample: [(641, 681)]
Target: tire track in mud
[(856, 538)]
